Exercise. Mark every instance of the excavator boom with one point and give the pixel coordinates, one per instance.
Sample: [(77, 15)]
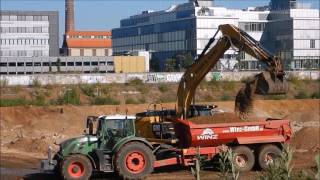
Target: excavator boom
[(269, 82)]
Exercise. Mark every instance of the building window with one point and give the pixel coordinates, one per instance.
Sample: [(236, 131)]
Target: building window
[(20, 72), (37, 29), (312, 43), (81, 52), (94, 63), (37, 64), (13, 18), (29, 18), (12, 64), (94, 52), (5, 30), (78, 63), (4, 18), (3, 64), (13, 29), (28, 63), (70, 63), (45, 64), (21, 18), (20, 63), (37, 18), (86, 63), (110, 63), (44, 18), (29, 30)]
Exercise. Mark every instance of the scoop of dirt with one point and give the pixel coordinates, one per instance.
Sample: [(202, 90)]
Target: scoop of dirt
[(216, 118)]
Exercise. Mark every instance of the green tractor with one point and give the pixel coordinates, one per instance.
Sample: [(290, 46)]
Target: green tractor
[(113, 147)]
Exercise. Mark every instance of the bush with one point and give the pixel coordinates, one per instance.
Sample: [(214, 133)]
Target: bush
[(70, 96), (104, 101), (13, 102), (131, 101), (3, 83), (39, 100), (225, 97), (281, 167), (315, 95), (301, 95), (143, 89), (163, 88), (88, 89), (135, 82), (36, 83), (228, 85)]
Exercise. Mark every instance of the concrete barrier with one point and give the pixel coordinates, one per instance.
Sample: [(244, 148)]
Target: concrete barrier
[(56, 79)]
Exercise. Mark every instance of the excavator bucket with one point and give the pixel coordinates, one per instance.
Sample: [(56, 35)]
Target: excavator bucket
[(269, 84), (265, 83)]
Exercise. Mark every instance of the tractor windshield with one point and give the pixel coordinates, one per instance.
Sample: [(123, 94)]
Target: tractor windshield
[(119, 128)]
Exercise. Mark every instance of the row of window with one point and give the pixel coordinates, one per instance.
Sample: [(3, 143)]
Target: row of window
[(89, 37), (23, 53), (24, 29), (306, 64), (86, 63), (28, 72), (23, 18), (24, 41), (252, 26)]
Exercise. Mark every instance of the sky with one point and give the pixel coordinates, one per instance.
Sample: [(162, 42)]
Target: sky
[(106, 14)]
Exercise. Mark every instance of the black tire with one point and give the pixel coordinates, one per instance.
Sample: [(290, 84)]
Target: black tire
[(134, 161), (76, 167), (266, 154), (243, 158)]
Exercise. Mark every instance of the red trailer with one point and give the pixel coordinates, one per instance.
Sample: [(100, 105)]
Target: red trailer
[(250, 141)]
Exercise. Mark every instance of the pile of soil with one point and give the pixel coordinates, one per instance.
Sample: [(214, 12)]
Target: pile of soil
[(307, 138), (216, 118), (30, 145)]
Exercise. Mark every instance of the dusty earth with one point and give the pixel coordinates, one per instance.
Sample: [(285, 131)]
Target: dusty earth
[(27, 131)]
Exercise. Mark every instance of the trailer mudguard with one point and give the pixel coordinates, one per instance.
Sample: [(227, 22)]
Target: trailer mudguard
[(260, 139), (124, 141)]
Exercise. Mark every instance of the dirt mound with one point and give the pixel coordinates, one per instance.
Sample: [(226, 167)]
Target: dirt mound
[(307, 138), (216, 118), (39, 145)]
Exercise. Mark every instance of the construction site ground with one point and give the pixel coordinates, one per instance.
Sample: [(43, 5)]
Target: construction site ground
[(26, 132)]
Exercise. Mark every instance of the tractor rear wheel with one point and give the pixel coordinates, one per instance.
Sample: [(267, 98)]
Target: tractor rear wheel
[(266, 155), (76, 167), (243, 158), (134, 161)]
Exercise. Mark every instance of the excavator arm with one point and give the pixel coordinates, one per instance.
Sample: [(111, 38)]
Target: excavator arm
[(269, 82)]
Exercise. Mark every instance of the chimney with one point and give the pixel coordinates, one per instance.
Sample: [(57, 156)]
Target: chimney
[(69, 16)]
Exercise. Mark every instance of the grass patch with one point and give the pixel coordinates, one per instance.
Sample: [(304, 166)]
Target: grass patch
[(70, 96), (104, 101), (13, 102), (87, 89), (301, 95), (163, 88), (135, 82), (225, 97), (315, 95), (36, 83), (131, 101)]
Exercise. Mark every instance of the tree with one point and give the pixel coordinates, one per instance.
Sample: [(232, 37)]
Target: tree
[(154, 65), (170, 65), (58, 64)]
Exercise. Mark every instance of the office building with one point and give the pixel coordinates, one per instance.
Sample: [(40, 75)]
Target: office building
[(186, 28), (29, 33)]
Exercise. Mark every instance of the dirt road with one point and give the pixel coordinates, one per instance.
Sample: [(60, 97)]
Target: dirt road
[(26, 133)]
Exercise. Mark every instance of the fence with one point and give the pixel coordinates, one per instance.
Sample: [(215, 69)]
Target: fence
[(56, 79)]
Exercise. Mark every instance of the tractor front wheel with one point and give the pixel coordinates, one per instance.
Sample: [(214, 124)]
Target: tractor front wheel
[(134, 161), (76, 167)]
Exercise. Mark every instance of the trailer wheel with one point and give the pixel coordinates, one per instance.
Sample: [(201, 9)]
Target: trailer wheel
[(266, 154), (134, 161), (76, 167), (243, 158)]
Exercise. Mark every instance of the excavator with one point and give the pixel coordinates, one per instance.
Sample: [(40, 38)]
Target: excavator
[(270, 82)]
